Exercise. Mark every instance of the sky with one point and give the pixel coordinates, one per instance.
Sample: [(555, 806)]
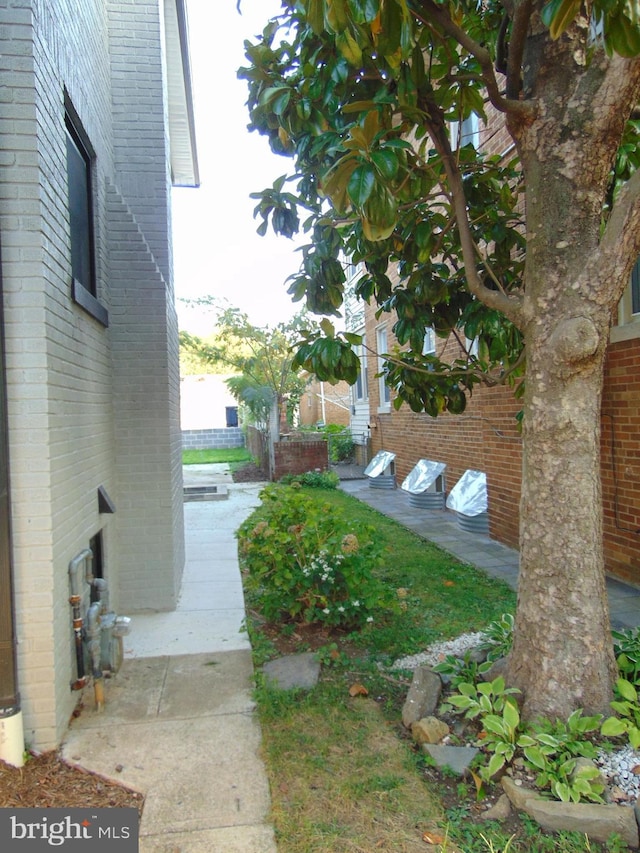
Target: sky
[(216, 249)]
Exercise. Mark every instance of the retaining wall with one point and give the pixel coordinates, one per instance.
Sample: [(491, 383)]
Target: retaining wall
[(207, 439)]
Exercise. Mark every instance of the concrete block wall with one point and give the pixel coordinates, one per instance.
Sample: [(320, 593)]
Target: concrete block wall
[(204, 439)]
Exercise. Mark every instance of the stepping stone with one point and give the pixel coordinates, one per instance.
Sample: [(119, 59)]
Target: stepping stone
[(292, 672), (456, 758)]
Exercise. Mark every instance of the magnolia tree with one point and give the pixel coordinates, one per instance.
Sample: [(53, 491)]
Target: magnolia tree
[(528, 252)]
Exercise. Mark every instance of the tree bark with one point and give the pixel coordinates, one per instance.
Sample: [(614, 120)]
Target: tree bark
[(562, 656)]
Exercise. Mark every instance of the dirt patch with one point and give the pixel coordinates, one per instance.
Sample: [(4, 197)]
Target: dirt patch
[(46, 781), (249, 473)]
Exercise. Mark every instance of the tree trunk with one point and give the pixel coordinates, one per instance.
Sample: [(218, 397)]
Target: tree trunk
[(562, 657)]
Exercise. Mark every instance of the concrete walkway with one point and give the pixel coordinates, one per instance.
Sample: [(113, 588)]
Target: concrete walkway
[(178, 723), (496, 559)]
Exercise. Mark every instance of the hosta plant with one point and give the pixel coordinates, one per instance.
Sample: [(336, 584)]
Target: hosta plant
[(628, 709)]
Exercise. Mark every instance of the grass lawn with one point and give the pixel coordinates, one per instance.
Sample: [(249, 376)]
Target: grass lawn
[(203, 457), (344, 774)]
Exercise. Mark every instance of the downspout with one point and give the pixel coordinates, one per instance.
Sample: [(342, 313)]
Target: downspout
[(11, 725)]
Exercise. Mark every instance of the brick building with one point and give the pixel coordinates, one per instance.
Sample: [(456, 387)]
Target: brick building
[(486, 438), (325, 403), (96, 124)]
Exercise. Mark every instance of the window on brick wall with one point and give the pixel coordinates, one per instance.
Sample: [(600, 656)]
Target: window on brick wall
[(429, 342), (382, 347), (465, 132), (635, 289), (629, 309), (361, 389), (80, 164)]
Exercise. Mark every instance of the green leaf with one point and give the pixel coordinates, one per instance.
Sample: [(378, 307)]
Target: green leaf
[(511, 715), (349, 48), (493, 723), (315, 15), (534, 755), (626, 690), (613, 727), (562, 791), (327, 327), (361, 184), (386, 162), (495, 763)]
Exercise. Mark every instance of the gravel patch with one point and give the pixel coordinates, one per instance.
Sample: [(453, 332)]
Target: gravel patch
[(621, 769), (438, 651)]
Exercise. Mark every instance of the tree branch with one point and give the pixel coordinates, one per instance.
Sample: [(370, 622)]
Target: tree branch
[(519, 30), (438, 14), (508, 304), (623, 226)]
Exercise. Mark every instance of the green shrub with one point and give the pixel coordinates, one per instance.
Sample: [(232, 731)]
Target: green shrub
[(341, 443), (306, 562), (312, 479)]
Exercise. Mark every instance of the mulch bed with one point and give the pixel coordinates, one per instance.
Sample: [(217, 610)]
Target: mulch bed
[(47, 781)]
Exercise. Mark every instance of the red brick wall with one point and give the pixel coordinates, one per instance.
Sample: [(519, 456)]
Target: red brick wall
[(298, 457), (486, 437), (621, 460)]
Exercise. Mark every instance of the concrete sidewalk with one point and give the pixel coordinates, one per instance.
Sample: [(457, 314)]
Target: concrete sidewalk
[(178, 723), (496, 559)]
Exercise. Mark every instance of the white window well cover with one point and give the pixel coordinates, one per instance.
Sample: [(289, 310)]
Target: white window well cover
[(423, 475), (379, 463), (469, 495)]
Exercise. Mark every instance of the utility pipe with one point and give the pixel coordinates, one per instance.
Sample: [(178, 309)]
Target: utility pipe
[(84, 558), (93, 637)]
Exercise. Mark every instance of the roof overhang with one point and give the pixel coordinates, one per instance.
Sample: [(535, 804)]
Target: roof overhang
[(182, 135)]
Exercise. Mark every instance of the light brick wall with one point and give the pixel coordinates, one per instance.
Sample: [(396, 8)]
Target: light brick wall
[(146, 411), (84, 402)]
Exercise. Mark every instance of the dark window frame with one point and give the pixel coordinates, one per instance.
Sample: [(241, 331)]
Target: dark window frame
[(79, 170), (635, 289)]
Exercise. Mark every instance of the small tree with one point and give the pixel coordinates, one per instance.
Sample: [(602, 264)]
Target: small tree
[(364, 95), (266, 382)]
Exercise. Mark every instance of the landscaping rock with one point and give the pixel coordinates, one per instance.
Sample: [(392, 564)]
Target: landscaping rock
[(456, 758), (429, 730), (292, 672), (499, 811), (599, 822), (423, 696)]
